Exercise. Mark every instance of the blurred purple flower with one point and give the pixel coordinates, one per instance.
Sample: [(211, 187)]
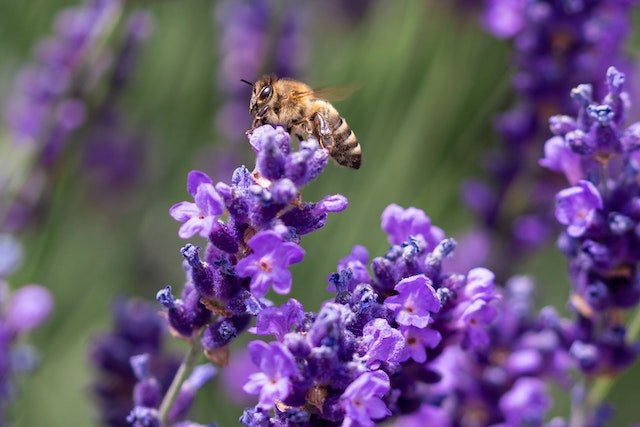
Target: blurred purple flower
[(526, 403)]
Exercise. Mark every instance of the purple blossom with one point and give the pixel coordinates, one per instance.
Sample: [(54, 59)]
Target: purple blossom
[(277, 366), (415, 302), (400, 224), (505, 18), (362, 400), (527, 402), (558, 157), (382, 342), (201, 216), (367, 332), (474, 318), (356, 263), (268, 264), (416, 341), (28, 307), (577, 207), (279, 320)]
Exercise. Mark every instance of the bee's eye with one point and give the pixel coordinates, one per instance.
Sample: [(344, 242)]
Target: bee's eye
[(265, 92)]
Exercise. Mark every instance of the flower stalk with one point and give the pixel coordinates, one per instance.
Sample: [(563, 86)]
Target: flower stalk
[(185, 369)]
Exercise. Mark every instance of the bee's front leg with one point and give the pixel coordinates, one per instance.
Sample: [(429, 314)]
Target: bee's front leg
[(301, 129), (323, 131)]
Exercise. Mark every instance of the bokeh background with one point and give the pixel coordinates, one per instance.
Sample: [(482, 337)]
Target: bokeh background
[(429, 81)]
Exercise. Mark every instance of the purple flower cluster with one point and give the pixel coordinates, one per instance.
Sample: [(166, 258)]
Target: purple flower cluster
[(557, 45), (504, 382), (367, 354), (600, 211), (137, 329), (113, 151), (253, 227), (21, 311), (147, 395), (60, 93), (42, 111)]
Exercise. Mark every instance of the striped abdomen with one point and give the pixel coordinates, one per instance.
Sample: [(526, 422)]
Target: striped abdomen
[(345, 149)]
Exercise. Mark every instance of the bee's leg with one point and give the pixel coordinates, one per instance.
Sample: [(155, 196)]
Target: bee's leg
[(257, 122), (300, 129), (323, 131)]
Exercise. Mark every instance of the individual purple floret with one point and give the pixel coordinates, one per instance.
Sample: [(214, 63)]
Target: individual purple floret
[(268, 264), (600, 213), (277, 365), (199, 217), (557, 44), (362, 400), (400, 224), (415, 301), (279, 321), (576, 207)]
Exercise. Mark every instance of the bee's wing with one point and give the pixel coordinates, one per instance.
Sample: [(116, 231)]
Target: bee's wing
[(335, 93), (328, 93)]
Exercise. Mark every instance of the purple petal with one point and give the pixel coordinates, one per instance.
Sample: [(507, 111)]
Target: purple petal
[(291, 253), (194, 179), (281, 281), (264, 242), (190, 228), (183, 211), (208, 200)]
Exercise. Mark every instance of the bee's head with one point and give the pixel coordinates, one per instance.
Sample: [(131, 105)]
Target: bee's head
[(262, 95)]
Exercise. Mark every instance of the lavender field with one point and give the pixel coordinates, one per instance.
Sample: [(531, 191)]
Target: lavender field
[(176, 250)]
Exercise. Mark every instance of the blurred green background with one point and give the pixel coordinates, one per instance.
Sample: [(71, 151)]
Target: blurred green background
[(430, 82)]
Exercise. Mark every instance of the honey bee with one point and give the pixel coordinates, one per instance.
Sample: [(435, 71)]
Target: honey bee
[(304, 112)]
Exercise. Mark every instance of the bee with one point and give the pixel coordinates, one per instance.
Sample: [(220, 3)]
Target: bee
[(304, 112)]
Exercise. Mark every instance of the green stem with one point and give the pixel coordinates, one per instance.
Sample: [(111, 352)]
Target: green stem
[(602, 386), (184, 370)]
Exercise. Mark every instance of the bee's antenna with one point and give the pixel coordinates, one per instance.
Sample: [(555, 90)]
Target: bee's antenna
[(247, 82)]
